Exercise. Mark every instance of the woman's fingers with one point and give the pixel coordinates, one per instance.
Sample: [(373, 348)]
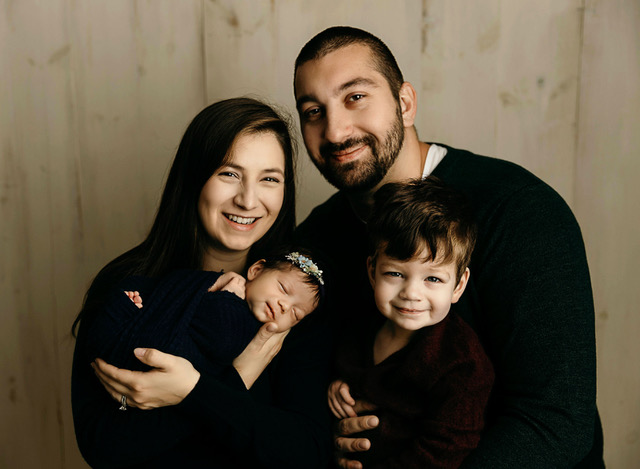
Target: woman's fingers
[(168, 383)]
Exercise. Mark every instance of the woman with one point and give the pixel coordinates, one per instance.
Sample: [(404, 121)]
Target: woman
[(229, 196)]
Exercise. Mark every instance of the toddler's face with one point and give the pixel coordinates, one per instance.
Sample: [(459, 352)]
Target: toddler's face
[(414, 294), (281, 296)]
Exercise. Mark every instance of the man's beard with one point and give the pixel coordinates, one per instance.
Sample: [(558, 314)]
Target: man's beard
[(365, 173)]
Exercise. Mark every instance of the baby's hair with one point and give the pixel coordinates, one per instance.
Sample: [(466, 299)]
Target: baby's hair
[(424, 213), (295, 256)]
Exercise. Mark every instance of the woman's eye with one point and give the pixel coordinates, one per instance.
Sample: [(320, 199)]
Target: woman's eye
[(272, 179), (228, 174)]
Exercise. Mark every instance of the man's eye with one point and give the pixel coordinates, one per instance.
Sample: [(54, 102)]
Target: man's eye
[(312, 113), (356, 97)]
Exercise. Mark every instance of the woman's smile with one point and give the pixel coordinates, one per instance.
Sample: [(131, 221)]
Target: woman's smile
[(242, 199)]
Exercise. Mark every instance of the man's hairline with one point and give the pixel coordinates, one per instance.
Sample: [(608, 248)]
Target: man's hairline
[(319, 56)]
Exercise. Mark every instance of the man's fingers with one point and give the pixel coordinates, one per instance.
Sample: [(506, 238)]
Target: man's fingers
[(345, 463), (352, 445), (352, 425), (364, 407)]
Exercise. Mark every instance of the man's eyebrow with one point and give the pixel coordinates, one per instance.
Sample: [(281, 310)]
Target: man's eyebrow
[(359, 81)]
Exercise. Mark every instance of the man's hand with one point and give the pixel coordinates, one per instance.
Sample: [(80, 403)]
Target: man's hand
[(350, 425), (231, 282), (171, 380)]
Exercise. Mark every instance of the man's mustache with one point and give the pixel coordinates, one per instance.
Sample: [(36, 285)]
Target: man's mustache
[(328, 149)]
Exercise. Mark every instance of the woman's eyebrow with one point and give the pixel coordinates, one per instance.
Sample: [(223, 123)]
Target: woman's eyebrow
[(241, 168)]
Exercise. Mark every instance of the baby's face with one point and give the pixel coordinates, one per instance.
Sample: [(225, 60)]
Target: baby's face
[(281, 296)]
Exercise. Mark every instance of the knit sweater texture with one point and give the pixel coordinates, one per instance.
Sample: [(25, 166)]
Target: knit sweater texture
[(281, 422), (529, 299)]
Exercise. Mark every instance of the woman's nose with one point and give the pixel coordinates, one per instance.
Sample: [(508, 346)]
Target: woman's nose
[(246, 197)]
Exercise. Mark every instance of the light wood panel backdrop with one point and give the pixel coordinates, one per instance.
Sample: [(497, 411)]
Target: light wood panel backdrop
[(94, 97)]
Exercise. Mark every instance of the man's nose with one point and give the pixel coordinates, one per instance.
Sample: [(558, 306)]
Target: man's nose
[(338, 126)]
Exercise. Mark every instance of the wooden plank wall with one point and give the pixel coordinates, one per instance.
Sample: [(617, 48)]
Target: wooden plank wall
[(94, 97)]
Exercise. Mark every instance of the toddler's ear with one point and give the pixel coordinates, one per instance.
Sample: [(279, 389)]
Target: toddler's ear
[(255, 269), (462, 284), (371, 271)]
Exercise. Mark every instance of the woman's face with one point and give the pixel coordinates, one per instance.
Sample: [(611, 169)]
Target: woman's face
[(242, 199)]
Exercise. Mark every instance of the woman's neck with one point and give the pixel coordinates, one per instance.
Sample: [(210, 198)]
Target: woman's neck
[(215, 260)]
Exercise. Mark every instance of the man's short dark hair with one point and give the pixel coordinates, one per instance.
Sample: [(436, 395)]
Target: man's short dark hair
[(337, 37), (424, 213)]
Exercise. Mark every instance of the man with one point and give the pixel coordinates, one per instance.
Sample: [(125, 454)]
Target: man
[(529, 297)]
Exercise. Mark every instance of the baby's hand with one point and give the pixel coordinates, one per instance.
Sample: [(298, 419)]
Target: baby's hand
[(340, 400), (135, 297), (231, 282)]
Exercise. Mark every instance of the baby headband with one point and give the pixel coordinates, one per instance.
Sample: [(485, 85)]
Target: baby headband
[(306, 265)]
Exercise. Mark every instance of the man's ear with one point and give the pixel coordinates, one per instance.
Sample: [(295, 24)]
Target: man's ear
[(371, 271), (408, 104), (255, 269), (462, 284)]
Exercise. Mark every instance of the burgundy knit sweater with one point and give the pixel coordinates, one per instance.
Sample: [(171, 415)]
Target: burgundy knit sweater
[(431, 395)]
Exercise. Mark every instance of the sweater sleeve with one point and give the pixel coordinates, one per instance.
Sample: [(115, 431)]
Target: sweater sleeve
[(538, 327), (291, 431)]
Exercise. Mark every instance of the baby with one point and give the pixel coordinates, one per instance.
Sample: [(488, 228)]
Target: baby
[(421, 367), (208, 317)]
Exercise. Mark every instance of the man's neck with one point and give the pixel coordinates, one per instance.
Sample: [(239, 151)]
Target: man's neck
[(408, 165)]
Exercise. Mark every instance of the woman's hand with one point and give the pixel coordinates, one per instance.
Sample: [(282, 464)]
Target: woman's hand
[(258, 354), (231, 282), (171, 380)]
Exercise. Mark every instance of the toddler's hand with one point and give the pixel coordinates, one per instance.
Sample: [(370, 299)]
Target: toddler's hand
[(340, 400), (231, 282), (135, 297)]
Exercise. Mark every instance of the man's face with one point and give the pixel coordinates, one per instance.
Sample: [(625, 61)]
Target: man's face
[(351, 123)]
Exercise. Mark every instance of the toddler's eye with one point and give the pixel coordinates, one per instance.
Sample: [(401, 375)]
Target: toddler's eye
[(393, 274), (433, 279)]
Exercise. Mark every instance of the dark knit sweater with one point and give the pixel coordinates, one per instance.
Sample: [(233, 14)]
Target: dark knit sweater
[(529, 299), (431, 395), (280, 422), (179, 317)]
